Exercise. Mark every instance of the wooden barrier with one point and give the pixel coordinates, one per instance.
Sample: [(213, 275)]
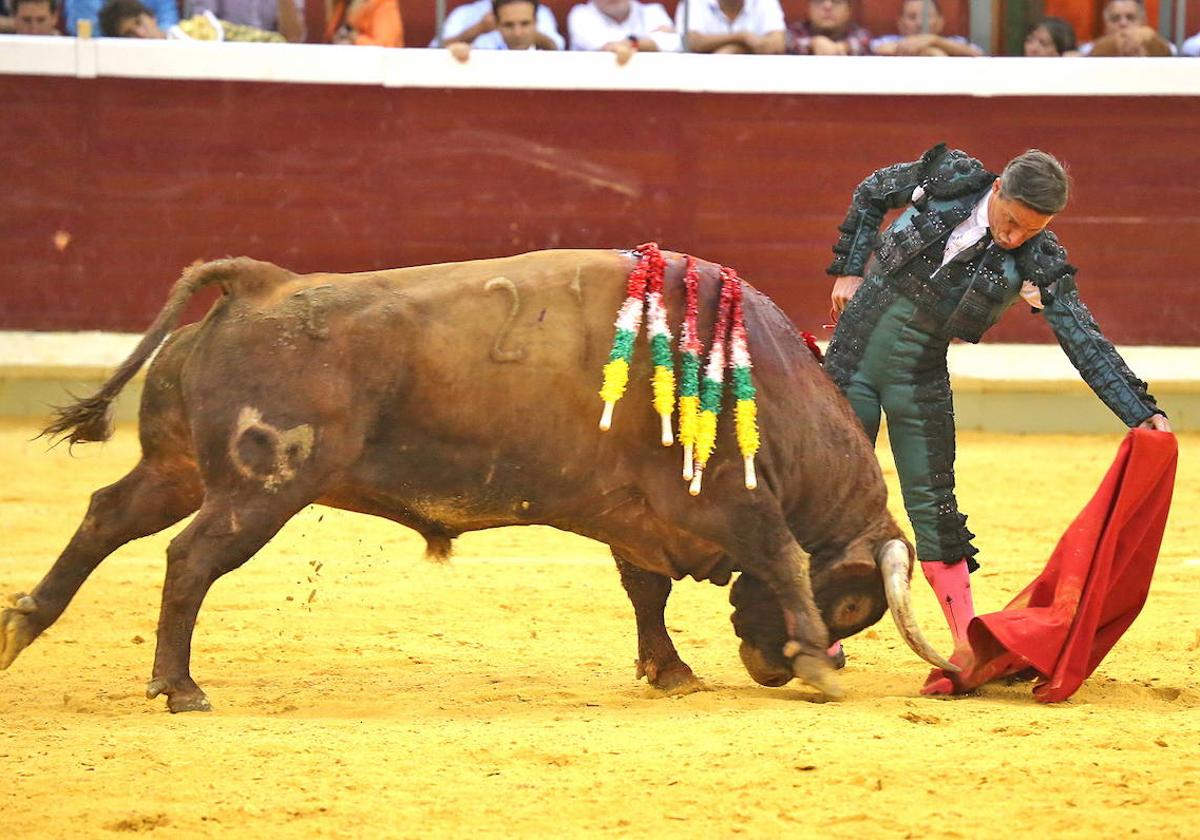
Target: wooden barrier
[(115, 184)]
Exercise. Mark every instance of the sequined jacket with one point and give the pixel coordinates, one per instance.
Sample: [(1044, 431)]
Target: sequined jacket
[(969, 294)]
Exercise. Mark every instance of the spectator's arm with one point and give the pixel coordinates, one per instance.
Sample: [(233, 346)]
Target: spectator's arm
[(772, 43), (542, 41), (7, 25), (956, 47), (702, 42), (858, 42), (384, 29), (660, 31), (290, 20), (800, 44), (485, 24), (548, 26)]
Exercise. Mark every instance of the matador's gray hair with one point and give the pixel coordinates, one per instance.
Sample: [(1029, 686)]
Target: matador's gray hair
[(1037, 180)]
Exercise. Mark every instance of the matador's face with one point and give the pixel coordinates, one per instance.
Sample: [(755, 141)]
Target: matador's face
[(1011, 222)]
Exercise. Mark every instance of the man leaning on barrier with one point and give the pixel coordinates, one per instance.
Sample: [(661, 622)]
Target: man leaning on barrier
[(967, 246)]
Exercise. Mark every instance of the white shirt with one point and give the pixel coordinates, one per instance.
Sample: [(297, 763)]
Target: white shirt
[(969, 231), (707, 18), (493, 40), (467, 15), (1191, 46), (591, 29)]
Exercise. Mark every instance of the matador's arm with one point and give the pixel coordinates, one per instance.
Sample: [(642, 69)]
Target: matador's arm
[(885, 189), (1093, 355)]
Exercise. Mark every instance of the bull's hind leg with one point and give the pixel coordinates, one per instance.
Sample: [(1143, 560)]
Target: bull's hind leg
[(228, 531), (153, 496), (658, 661)]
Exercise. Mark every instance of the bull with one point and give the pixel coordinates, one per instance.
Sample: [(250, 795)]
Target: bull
[(457, 397)]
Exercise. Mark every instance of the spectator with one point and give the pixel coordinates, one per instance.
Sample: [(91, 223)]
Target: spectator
[(1191, 47), (919, 32), (622, 27), (164, 13), (1049, 38), (366, 23), (35, 17), (7, 25), (471, 21), (283, 16), (733, 26), (516, 29), (829, 30), (1126, 33), (130, 19)]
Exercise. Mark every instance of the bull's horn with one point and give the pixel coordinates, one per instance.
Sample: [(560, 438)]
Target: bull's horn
[(893, 565)]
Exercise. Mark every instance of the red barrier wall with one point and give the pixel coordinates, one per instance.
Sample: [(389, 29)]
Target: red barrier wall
[(114, 185)]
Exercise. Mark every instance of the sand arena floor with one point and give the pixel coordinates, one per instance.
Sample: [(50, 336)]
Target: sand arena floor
[(363, 692)]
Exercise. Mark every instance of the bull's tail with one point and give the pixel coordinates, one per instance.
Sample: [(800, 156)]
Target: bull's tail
[(88, 418)]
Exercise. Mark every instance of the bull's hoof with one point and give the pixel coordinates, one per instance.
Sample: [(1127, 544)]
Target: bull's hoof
[(675, 679), (762, 669), (181, 699), (815, 671), (838, 658), (16, 630), (196, 702)]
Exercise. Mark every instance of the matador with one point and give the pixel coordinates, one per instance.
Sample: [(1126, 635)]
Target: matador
[(967, 246)]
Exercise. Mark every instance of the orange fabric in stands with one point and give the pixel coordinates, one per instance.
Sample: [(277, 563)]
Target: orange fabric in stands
[(378, 23)]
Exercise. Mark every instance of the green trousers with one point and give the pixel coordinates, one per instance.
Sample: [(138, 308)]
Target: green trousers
[(886, 362)]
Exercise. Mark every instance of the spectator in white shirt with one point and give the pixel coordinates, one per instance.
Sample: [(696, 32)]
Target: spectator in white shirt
[(471, 21), (1191, 46), (732, 26), (516, 29), (622, 27), (919, 32)]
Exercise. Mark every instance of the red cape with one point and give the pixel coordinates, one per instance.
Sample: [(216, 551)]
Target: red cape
[(1064, 623)]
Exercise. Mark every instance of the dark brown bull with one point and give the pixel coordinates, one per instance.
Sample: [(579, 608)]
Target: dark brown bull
[(457, 397)]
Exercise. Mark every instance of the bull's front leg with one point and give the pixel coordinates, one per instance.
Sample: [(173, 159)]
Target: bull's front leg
[(764, 547), (787, 573), (658, 661)]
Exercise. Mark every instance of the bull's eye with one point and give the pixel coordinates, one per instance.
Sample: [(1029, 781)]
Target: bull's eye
[(852, 611)]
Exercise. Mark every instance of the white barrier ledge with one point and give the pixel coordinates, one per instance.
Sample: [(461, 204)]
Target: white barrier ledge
[(999, 367), (689, 73)]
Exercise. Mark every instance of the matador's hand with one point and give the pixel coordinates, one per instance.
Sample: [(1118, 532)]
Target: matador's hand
[(1157, 422), (843, 289)]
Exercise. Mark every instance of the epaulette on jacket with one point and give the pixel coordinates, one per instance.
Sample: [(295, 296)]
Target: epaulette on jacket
[(1043, 261), (953, 173)]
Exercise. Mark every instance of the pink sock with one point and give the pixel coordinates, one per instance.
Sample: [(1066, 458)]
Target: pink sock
[(952, 585)]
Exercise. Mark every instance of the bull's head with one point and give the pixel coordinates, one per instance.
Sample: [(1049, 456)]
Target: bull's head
[(852, 593)]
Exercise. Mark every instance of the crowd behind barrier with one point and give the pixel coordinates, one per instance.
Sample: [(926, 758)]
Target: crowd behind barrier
[(624, 27)]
